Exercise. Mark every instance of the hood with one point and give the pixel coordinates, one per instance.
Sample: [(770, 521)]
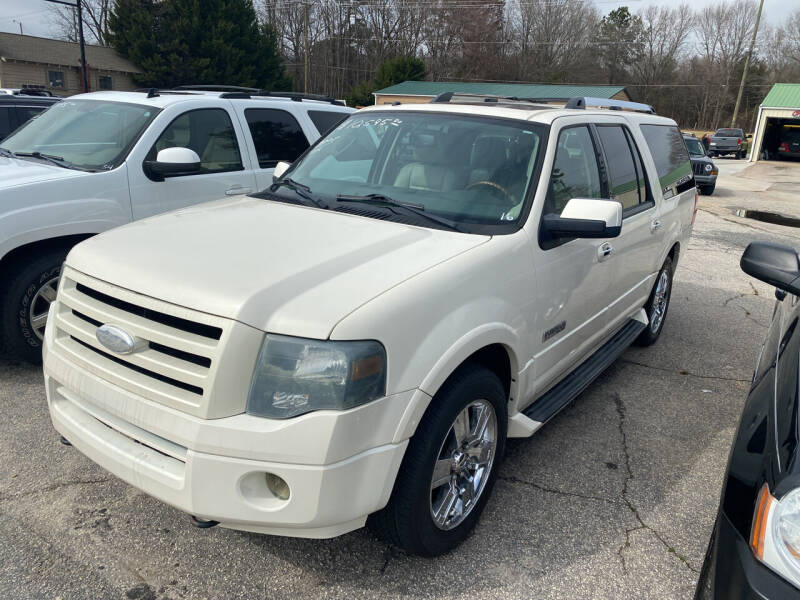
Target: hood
[(277, 267), (18, 171), (700, 159)]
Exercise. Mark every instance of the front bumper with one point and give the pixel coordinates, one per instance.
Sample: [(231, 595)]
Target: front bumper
[(733, 571), (705, 179), (340, 466)]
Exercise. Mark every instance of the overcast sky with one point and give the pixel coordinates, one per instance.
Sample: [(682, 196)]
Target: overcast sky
[(36, 20)]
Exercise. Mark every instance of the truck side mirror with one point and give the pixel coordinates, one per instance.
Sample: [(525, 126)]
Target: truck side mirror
[(173, 162), (280, 169), (586, 218), (774, 264)]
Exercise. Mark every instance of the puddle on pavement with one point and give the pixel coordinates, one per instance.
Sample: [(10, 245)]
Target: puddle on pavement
[(767, 217)]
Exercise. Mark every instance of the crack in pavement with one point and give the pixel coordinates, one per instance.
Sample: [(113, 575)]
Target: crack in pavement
[(681, 372), (624, 495), (56, 486), (538, 486)]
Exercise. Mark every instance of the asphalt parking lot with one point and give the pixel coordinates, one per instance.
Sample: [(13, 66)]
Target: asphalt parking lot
[(615, 498)]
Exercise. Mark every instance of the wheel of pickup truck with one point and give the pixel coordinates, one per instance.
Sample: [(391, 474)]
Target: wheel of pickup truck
[(449, 468), (30, 289), (657, 305)]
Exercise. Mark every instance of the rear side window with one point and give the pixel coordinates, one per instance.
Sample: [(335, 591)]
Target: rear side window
[(209, 132), (575, 172), (325, 120), (671, 157), (626, 175), (5, 122), (276, 134)]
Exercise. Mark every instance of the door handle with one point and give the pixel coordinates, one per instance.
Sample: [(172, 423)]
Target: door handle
[(237, 189), (604, 251), (655, 225)]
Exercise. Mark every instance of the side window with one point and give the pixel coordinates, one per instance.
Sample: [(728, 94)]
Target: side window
[(644, 187), (209, 132), (5, 122), (626, 176), (25, 113), (671, 157), (276, 134), (575, 172), (325, 120)]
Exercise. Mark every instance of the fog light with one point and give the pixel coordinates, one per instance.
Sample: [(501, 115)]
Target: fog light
[(278, 487)]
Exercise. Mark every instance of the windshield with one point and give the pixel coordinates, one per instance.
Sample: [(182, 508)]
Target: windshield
[(695, 147), (88, 134), (729, 133), (473, 170)]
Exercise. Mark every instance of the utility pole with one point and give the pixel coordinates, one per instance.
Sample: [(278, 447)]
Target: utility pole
[(746, 66), (305, 58), (77, 5), (20, 25)]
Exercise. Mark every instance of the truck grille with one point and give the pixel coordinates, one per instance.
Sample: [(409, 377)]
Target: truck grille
[(699, 169), (176, 362)]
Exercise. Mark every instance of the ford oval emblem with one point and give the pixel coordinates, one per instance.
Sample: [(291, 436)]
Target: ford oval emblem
[(116, 339)]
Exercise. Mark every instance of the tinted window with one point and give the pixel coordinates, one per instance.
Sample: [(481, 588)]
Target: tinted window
[(671, 157), (575, 173), (208, 132), (644, 188), (55, 78), (276, 135), (623, 178), (730, 133), (325, 120), (24, 113), (5, 122)]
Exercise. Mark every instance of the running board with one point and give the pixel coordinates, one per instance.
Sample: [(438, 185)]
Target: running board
[(578, 380)]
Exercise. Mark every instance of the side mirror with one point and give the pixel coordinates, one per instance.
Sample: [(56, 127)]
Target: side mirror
[(280, 169), (586, 218), (172, 162), (773, 264)]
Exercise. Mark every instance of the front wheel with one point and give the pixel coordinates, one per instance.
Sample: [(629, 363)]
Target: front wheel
[(707, 190), (449, 468), (30, 289), (657, 305)]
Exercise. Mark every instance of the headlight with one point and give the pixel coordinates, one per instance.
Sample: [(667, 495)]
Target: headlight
[(708, 168), (294, 376), (775, 535)]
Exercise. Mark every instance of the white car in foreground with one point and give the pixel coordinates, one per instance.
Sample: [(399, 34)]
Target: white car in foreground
[(355, 344), (95, 161)]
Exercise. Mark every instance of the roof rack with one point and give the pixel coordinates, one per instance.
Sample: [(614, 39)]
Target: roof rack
[(576, 102), (240, 92)]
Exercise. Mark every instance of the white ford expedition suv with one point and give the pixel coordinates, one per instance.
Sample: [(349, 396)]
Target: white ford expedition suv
[(355, 343), (99, 160)]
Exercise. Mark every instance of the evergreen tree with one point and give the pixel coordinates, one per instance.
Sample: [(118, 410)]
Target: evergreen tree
[(619, 38), (179, 42), (391, 72)]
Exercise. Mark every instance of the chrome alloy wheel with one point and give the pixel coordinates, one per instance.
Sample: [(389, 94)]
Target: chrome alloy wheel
[(40, 306), (463, 464), (660, 299)]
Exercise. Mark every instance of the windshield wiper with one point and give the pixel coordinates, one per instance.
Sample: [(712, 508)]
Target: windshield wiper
[(301, 190), (56, 160), (415, 209), (7, 153)]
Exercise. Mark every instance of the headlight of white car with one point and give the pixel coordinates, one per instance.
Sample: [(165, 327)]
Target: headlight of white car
[(294, 376), (775, 536)]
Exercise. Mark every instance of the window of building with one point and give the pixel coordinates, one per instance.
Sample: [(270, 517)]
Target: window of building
[(56, 78), (276, 134), (104, 82)]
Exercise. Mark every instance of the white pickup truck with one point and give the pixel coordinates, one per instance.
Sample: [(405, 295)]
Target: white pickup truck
[(354, 344), (96, 161)]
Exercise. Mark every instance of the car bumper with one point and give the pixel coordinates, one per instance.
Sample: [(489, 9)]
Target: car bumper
[(705, 179), (339, 466), (735, 573), (724, 149)]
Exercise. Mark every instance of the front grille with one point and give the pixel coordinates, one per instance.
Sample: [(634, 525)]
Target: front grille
[(177, 349), (699, 169)]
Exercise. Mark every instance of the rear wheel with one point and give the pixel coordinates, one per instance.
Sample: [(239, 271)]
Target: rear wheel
[(449, 468), (30, 289), (657, 305)]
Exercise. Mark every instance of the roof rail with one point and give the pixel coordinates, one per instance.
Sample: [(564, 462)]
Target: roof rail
[(586, 101), (446, 97), (239, 92)]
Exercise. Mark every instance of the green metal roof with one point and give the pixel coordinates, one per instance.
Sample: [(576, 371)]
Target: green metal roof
[(523, 90), (783, 95)]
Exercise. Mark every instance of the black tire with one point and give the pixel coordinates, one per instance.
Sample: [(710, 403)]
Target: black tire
[(707, 190), (407, 520), (651, 333), (23, 281)]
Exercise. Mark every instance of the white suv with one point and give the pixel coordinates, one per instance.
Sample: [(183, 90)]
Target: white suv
[(355, 344), (95, 161)]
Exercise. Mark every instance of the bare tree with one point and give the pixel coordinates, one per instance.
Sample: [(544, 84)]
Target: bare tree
[(95, 21)]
